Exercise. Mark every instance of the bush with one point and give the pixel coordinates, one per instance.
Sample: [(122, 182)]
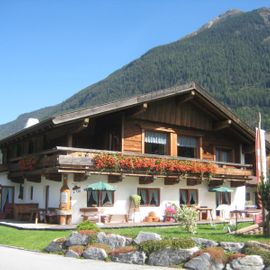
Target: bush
[(187, 216), (151, 246), (216, 253), (87, 225), (261, 252), (183, 243)]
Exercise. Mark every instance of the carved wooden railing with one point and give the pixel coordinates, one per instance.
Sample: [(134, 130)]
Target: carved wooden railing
[(78, 160)]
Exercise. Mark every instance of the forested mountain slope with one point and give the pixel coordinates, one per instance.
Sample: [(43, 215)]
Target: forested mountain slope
[(229, 56)]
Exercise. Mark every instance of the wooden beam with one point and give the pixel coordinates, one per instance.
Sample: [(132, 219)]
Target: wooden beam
[(193, 182), (215, 183), (79, 177), (185, 98), (34, 178), (171, 180), (144, 180), (54, 176), (115, 178), (222, 125), (138, 110), (238, 183)]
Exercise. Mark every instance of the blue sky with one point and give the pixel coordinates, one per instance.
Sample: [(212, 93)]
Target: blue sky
[(51, 49)]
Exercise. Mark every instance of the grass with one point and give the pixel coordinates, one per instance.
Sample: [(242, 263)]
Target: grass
[(28, 239), (216, 233), (38, 240)]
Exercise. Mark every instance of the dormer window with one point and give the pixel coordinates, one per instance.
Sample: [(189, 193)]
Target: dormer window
[(155, 143)]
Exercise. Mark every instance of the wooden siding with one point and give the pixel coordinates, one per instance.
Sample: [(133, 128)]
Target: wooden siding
[(132, 137), (172, 112)]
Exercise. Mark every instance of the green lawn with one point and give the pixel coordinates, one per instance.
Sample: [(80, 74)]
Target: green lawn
[(37, 240), (29, 239), (216, 233)]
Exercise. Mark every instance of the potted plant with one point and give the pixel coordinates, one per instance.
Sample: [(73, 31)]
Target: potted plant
[(135, 200)]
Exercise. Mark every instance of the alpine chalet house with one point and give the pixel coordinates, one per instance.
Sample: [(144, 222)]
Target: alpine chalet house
[(171, 146)]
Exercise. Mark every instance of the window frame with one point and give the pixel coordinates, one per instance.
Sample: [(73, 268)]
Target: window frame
[(99, 204), (188, 190), (166, 146), (197, 149), (147, 195), (225, 149)]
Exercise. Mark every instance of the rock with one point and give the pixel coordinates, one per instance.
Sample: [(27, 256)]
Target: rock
[(77, 239), (250, 262), (201, 242), (113, 240), (95, 254), (72, 254), (232, 246), (170, 256), (55, 247), (145, 236), (257, 245), (203, 262), (135, 257)]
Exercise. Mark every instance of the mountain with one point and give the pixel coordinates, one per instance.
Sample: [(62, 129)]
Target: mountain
[(229, 56)]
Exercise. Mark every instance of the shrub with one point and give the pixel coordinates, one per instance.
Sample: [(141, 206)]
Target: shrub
[(177, 243), (182, 243), (216, 253), (126, 249), (261, 252), (107, 248), (151, 246), (78, 249), (87, 225), (187, 216)]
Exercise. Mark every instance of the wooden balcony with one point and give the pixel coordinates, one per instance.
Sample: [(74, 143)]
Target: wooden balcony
[(81, 162)]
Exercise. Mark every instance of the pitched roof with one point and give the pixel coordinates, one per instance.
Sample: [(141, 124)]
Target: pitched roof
[(220, 110)]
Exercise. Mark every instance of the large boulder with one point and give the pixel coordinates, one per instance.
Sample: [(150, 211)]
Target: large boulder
[(135, 257), (72, 254), (77, 239), (94, 253), (201, 242), (232, 246), (250, 262), (56, 246), (203, 262), (170, 256), (145, 236), (113, 240)]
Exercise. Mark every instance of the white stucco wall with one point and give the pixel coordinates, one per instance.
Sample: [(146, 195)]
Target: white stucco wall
[(168, 194)]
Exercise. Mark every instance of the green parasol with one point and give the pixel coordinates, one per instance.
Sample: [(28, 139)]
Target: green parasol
[(220, 189), (100, 186)]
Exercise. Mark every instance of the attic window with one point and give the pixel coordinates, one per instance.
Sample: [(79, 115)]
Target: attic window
[(155, 143)]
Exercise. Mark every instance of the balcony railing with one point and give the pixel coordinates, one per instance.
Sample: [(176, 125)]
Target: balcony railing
[(78, 160)]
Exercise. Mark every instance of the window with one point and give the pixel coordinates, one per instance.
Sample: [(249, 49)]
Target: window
[(100, 198), (187, 146), (223, 198), (223, 154), (188, 196), (155, 143), (149, 196)]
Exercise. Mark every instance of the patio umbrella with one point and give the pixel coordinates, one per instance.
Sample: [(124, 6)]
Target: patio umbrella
[(100, 186), (220, 189)]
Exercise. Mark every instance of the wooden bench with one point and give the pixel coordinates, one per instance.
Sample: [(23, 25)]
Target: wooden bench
[(24, 211)]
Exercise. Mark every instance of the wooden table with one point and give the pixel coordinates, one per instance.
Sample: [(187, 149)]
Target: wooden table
[(205, 210)]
